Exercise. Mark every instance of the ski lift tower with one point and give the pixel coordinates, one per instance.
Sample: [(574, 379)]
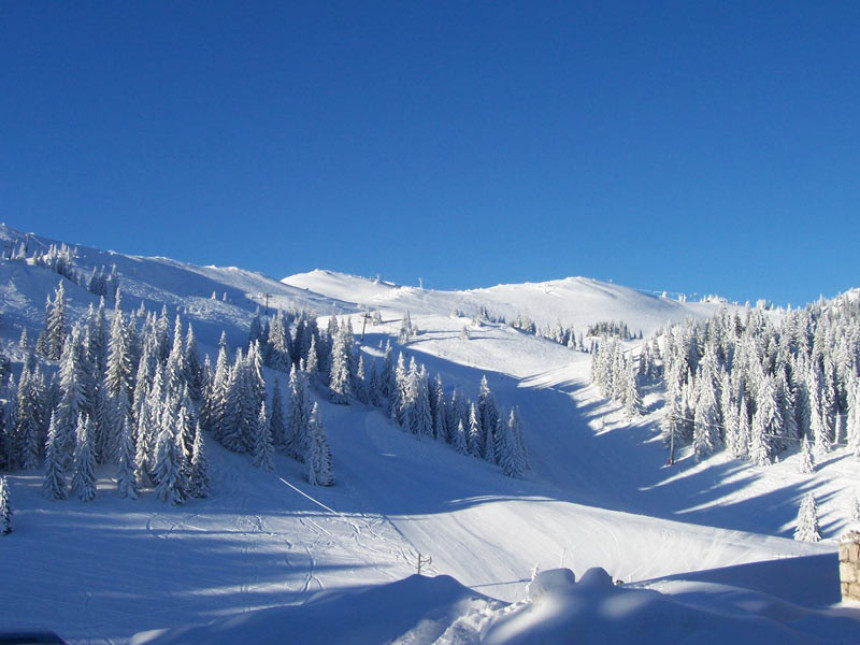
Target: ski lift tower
[(266, 296)]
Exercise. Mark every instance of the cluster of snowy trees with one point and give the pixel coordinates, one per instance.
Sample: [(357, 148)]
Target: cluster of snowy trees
[(331, 360), (120, 396), (131, 391), (61, 260), (558, 333), (615, 329), (616, 374), (757, 384), (234, 411), (104, 283), (420, 407)]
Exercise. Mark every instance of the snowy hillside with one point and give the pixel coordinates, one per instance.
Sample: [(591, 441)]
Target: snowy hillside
[(576, 302), (702, 548)]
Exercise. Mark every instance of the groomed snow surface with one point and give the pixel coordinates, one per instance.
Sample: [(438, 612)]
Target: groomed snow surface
[(703, 550)]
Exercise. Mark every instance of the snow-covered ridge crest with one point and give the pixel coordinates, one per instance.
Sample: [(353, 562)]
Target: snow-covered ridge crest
[(574, 302)]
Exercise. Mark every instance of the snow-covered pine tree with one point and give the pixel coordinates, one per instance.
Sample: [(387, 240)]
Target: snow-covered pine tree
[(263, 449), (84, 477), (277, 423), (807, 463), (240, 416), (27, 429), (438, 412), (509, 459), (169, 468), (807, 529), (474, 431), (5, 507), (319, 459), (818, 422), (853, 420), (298, 416), (340, 381), (706, 430), (396, 387), (631, 397), (374, 388), (194, 373), (361, 385), (218, 393), (198, 478), (766, 426), (312, 366), (488, 417), (421, 421), (521, 452), (54, 484), (460, 441), (126, 480), (55, 324)]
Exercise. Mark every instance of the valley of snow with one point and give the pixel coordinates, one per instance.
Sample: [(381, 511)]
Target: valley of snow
[(268, 556)]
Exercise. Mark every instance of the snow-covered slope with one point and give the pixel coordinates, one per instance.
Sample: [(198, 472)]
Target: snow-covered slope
[(576, 302), (598, 495)]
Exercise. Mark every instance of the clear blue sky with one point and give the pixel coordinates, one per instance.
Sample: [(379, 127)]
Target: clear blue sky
[(689, 146)]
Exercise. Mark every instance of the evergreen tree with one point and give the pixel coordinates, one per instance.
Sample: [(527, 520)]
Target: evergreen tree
[(27, 429), (488, 418), (55, 324), (807, 464), (319, 459), (198, 479), (807, 529), (460, 443), (340, 380), (218, 393), (706, 432), (361, 382), (277, 424), (84, 477), (5, 507), (298, 416), (54, 484), (194, 374), (474, 432), (126, 480), (509, 458), (263, 448), (169, 466)]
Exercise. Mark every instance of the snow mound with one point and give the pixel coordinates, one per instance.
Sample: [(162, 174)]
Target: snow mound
[(597, 611), (549, 581), (416, 609)]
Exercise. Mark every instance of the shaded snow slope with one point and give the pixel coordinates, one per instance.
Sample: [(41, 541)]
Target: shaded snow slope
[(558, 610)]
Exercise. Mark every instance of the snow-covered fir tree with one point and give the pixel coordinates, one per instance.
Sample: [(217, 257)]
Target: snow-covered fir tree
[(126, 479), (807, 529), (198, 477), (807, 462), (319, 457), (84, 477), (263, 456), (5, 507), (277, 422), (54, 484), (169, 471)]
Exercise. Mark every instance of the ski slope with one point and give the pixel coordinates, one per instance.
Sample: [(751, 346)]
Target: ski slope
[(237, 566)]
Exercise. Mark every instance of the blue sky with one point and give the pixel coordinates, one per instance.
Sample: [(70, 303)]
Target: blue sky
[(689, 146)]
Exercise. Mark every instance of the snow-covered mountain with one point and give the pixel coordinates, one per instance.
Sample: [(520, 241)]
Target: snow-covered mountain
[(703, 545), (573, 302)]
